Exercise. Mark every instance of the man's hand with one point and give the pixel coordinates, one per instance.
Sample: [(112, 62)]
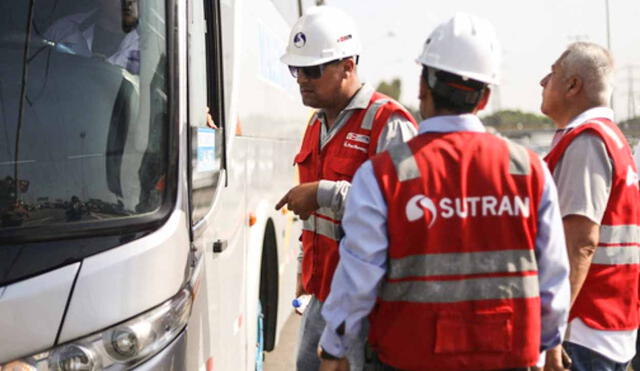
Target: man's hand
[(301, 199), (554, 359), (341, 364), (299, 290), (210, 122), (334, 365)]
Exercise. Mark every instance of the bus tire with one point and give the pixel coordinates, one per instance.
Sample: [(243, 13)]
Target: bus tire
[(269, 286)]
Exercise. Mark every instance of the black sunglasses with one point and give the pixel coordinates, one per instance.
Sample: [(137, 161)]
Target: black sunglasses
[(311, 72)]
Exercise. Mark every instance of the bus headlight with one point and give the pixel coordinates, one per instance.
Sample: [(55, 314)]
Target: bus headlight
[(146, 335), (120, 347), (124, 343), (73, 357)]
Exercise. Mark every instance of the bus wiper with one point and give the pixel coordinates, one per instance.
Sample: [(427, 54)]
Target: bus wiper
[(23, 94)]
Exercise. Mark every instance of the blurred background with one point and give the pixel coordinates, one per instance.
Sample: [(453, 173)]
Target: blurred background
[(533, 35)]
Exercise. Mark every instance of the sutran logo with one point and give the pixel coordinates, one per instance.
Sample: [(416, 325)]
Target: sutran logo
[(468, 207), (299, 40), (415, 208)]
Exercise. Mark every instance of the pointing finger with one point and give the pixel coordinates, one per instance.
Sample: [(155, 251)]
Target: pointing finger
[(282, 201)]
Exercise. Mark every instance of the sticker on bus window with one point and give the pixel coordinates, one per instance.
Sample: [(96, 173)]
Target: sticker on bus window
[(206, 150)]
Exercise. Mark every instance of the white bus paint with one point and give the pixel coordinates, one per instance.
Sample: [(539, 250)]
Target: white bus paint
[(263, 128)]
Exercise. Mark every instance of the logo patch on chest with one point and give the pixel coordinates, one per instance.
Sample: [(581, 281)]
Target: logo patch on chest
[(355, 146), (358, 138)]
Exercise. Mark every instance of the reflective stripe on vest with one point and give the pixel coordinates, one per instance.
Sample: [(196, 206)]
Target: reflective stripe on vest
[(628, 235), (619, 234), (324, 226), (518, 159), (327, 213), (616, 255), (404, 162), (367, 121), (458, 291), (463, 263)]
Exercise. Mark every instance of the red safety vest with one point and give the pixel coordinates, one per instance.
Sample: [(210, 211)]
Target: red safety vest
[(608, 299), (461, 291), (353, 144)]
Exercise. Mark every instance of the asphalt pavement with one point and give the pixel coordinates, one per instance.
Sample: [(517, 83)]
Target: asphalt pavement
[(283, 357)]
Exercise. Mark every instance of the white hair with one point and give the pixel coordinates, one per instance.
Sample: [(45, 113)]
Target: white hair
[(594, 65)]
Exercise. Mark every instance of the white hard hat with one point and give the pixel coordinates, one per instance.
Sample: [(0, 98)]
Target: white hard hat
[(466, 46), (322, 35)]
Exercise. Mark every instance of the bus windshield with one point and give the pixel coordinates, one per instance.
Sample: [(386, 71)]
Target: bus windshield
[(83, 113)]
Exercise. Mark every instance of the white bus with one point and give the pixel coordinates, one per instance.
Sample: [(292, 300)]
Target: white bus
[(133, 235)]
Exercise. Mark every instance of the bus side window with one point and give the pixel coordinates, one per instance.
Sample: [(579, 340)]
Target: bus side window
[(204, 118)]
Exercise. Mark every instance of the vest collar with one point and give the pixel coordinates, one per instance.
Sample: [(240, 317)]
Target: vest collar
[(453, 123), (591, 113), (361, 99)]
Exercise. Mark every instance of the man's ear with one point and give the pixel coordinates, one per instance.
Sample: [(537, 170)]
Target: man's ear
[(422, 93), (484, 100), (574, 86), (349, 65)]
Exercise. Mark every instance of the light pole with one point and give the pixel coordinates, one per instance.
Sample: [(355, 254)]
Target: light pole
[(606, 3), (608, 26)]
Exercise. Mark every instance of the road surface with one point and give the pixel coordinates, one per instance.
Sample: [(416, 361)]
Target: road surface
[(283, 357)]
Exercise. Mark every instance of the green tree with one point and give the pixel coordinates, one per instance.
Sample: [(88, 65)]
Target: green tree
[(392, 88), (506, 120)]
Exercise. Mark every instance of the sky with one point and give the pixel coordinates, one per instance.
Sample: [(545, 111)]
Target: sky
[(533, 35)]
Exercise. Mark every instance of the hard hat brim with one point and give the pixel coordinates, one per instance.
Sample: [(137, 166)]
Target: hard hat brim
[(466, 74), (304, 61)]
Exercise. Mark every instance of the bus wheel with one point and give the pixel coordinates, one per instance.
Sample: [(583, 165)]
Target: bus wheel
[(269, 287), (259, 339)]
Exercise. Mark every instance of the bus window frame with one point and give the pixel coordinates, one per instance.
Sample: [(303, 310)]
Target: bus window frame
[(215, 102)]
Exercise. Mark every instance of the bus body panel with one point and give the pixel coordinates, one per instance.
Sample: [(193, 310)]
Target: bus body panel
[(264, 124), (260, 178), (123, 282), (224, 271), (31, 311)]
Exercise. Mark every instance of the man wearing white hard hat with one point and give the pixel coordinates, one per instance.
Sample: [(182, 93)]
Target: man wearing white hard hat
[(453, 243), (352, 123)]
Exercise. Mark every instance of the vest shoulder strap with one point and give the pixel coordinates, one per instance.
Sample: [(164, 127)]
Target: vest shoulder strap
[(519, 161), (608, 131), (369, 117), (404, 162)]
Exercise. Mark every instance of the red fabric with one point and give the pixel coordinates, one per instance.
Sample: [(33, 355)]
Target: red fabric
[(608, 299), (338, 160), (469, 334)]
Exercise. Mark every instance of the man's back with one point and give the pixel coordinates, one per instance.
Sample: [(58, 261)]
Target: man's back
[(462, 223)]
